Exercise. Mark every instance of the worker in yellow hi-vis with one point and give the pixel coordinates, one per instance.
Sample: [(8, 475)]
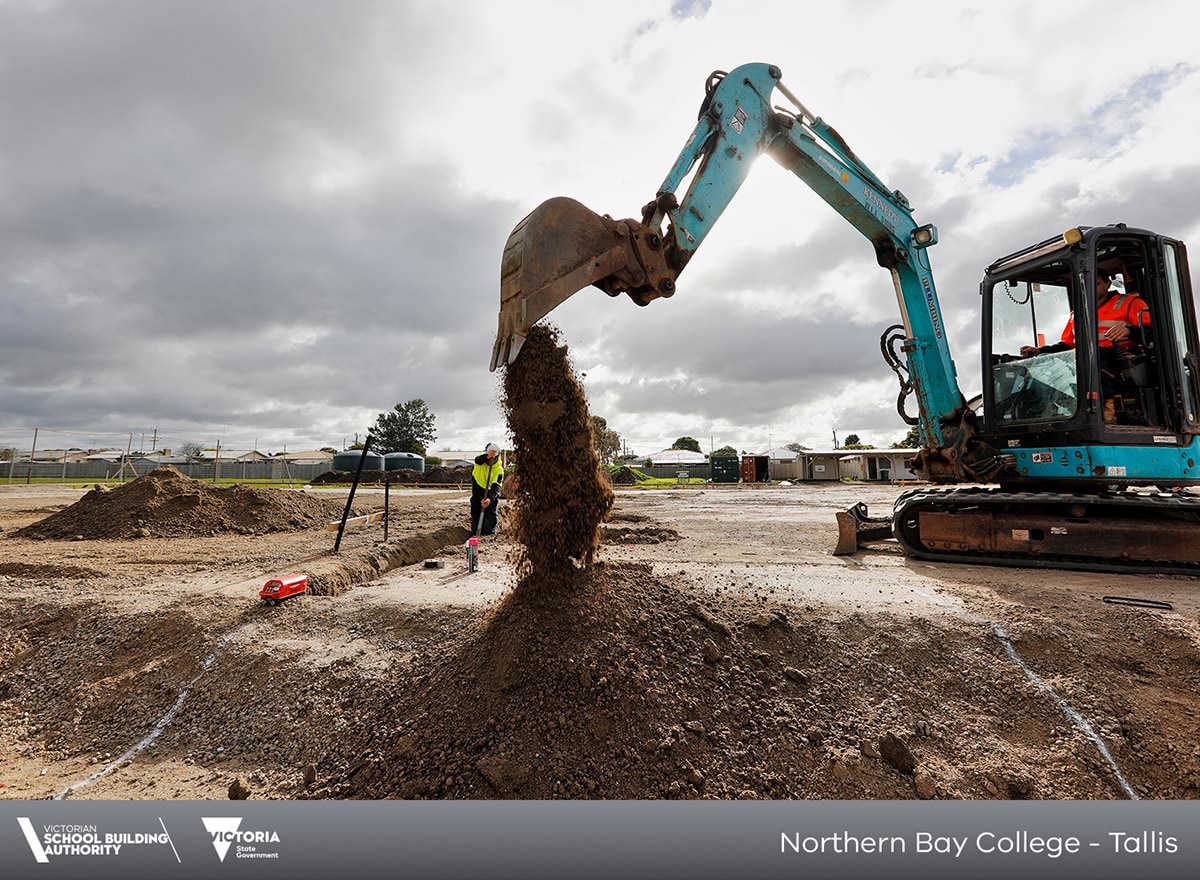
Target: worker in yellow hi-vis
[(486, 477)]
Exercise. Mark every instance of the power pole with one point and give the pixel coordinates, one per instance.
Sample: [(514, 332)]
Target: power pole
[(154, 440), (32, 450)]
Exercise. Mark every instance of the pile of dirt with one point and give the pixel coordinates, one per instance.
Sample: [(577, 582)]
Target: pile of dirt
[(624, 476), (437, 476), (166, 504), (628, 687), (563, 494)]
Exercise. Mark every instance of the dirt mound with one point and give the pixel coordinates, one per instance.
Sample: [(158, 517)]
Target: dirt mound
[(624, 476), (563, 494), (339, 477), (166, 504), (626, 687), (438, 476), (598, 691), (47, 572)]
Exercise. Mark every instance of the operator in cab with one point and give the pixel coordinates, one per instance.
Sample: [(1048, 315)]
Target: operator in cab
[(1117, 314), (486, 477)]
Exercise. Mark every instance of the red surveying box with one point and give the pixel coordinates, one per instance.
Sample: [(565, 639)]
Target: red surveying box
[(279, 588)]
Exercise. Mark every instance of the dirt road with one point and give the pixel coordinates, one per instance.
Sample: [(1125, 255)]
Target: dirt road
[(718, 650)]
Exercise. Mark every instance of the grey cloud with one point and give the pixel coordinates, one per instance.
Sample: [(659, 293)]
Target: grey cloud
[(690, 8)]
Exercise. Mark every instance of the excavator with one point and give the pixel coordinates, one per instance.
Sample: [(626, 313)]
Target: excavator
[(1077, 458)]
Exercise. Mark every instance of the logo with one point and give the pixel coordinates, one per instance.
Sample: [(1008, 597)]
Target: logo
[(86, 840), (739, 119), (226, 831), (834, 169)]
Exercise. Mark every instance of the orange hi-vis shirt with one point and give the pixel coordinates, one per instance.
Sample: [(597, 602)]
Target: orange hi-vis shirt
[(1124, 308)]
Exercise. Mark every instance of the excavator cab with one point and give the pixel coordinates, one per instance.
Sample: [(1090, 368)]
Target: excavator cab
[(1055, 378)]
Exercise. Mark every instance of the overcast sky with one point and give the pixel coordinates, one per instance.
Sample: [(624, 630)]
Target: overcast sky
[(267, 222)]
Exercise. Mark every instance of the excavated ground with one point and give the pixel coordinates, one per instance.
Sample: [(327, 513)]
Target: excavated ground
[(732, 657)]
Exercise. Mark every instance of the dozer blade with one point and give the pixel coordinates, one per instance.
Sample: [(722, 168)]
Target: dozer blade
[(556, 251), (854, 526)]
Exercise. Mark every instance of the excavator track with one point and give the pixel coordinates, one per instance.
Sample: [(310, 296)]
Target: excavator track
[(1131, 533)]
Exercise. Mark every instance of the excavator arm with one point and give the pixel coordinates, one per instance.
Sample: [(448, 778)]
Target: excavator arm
[(562, 246)]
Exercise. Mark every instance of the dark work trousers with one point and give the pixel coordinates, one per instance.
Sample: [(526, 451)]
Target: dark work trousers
[(1111, 362), (478, 493)]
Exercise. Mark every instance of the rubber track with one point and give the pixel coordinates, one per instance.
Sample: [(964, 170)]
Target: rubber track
[(1160, 505)]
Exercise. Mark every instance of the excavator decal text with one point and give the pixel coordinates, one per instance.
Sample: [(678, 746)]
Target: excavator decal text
[(834, 170), (886, 214), (933, 312)]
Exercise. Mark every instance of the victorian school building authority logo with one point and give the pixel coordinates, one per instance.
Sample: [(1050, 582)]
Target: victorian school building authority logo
[(86, 839)]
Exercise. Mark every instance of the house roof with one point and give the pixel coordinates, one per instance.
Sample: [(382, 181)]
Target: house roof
[(304, 455), (854, 452), (676, 456), (230, 455), (782, 453)]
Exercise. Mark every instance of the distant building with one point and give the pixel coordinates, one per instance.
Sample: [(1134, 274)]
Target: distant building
[(856, 464), (231, 455), (309, 456), (672, 457), (452, 458)]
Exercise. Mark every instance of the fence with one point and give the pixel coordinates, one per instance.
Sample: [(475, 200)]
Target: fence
[(75, 471), (704, 471)]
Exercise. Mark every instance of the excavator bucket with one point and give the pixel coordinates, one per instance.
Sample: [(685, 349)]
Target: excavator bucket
[(556, 251)]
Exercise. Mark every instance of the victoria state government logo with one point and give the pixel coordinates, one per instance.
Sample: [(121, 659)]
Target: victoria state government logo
[(226, 833)]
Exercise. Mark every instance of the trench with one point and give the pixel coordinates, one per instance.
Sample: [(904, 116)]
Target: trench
[(333, 576)]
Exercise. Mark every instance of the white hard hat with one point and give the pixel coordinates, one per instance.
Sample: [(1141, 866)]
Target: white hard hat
[(490, 448)]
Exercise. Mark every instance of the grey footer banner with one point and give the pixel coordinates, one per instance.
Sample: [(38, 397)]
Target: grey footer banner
[(599, 839)]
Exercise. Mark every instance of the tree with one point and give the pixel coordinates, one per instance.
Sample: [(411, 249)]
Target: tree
[(607, 442), (852, 442), (688, 443), (190, 450), (407, 428), (726, 450), (796, 447), (8, 453), (329, 449), (911, 440)]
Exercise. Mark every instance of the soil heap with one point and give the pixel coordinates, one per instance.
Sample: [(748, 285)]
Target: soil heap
[(167, 504), (563, 494), (436, 476)]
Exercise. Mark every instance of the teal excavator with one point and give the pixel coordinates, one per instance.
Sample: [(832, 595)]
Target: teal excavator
[(1072, 457)]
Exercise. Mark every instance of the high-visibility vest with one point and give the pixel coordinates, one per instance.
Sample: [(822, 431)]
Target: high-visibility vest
[(1125, 309), (487, 475)]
